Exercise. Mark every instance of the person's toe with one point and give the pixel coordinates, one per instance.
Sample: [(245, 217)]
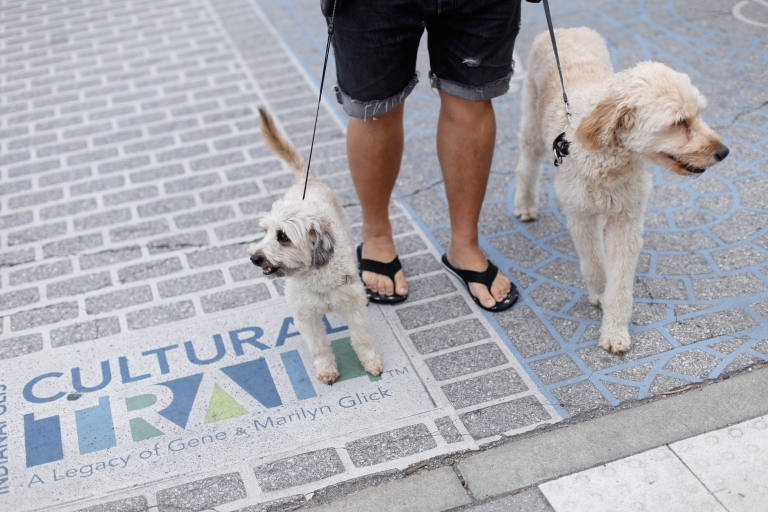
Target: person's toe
[(480, 291), (371, 281), (386, 286), (382, 285), (401, 287), (501, 287)]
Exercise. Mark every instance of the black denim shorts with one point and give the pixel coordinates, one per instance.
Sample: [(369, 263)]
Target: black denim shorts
[(375, 43)]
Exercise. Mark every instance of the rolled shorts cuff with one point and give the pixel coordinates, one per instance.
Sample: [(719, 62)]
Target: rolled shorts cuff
[(472, 92), (373, 108)]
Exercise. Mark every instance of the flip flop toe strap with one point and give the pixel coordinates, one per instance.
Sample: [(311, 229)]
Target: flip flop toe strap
[(385, 269), (487, 277)]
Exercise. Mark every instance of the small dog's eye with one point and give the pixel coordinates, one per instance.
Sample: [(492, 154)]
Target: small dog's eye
[(682, 122), (282, 238)]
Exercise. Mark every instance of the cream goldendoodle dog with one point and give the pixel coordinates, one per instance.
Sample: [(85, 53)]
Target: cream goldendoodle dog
[(309, 243), (648, 113)]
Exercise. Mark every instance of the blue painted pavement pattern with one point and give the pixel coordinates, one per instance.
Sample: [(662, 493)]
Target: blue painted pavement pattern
[(701, 289)]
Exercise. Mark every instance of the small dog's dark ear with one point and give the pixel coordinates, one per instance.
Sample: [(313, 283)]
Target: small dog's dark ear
[(322, 244)]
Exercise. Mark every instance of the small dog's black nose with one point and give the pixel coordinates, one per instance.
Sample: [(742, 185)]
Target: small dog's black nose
[(257, 260), (722, 152)]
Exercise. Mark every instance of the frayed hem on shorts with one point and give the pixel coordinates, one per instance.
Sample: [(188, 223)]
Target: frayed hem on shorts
[(367, 109), (471, 92)]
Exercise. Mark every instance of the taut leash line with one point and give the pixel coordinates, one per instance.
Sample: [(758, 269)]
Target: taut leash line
[(560, 146), (320, 97), (557, 57)]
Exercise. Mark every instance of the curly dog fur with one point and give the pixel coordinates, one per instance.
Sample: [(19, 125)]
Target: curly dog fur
[(620, 121)]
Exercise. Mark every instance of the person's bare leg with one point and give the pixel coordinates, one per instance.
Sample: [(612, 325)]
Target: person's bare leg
[(466, 133), (374, 150)]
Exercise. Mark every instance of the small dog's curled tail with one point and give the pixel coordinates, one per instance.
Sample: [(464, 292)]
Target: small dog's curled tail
[(280, 146)]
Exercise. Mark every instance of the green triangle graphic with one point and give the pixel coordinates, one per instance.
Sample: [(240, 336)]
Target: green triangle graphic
[(347, 362), (222, 406), (141, 430)]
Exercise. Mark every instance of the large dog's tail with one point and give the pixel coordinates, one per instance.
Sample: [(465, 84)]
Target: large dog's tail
[(280, 146)]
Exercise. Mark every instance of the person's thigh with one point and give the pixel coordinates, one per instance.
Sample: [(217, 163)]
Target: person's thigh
[(470, 47), (375, 43)]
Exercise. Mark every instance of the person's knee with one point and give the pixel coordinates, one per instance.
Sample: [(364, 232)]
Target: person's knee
[(392, 121), (464, 109)]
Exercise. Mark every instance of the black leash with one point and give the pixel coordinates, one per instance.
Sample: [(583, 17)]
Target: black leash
[(560, 145), (320, 97), (557, 57)]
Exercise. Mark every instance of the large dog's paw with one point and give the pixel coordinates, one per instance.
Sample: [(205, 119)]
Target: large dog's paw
[(526, 212), (328, 377), (526, 206), (596, 300), (615, 342)]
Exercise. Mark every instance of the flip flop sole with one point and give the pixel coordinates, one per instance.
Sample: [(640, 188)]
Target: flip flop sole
[(386, 269), (505, 304)]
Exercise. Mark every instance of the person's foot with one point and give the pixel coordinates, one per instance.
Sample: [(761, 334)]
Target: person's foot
[(383, 250), (472, 258)]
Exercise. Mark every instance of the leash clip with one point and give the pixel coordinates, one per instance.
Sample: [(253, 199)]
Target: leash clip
[(560, 147)]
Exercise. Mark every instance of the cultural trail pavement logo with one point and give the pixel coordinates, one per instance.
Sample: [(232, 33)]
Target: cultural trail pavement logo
[(86, 420)]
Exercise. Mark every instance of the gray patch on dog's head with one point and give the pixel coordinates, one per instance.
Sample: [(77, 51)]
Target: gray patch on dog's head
[(323, 246)]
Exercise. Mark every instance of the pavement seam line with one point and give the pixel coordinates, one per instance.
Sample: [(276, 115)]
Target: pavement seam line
[(669, 446)]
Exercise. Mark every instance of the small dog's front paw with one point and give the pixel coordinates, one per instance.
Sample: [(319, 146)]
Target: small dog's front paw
[(596, 300), (371, 361), (328, 377), (374, 367), (615, 342)]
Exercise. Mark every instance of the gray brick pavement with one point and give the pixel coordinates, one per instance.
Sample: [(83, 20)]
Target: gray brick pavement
[(390, 445), (202, 494), (301, 469), (137, 504), (133, 173), (464, 361)]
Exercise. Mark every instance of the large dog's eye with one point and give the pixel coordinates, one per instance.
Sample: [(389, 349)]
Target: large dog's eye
[(683, 123), (282, 238)]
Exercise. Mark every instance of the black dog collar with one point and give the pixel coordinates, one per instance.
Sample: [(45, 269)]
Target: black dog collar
[(560, 147)]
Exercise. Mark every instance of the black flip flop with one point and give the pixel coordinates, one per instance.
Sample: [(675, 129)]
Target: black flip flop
[(385, 269), (486, 278)]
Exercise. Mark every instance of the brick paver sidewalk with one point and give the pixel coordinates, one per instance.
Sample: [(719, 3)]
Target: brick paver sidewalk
[(146, 363)]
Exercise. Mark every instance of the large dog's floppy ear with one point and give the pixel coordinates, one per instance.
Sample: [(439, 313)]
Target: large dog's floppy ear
[(601, 126), (322, 244)]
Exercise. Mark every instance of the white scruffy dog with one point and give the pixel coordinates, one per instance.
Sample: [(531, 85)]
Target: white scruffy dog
[(309, 243), (648, 113)]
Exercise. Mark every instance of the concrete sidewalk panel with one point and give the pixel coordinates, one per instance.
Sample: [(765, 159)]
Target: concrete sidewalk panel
[(530, 500), (612, 437), (732, 463), (434, 490), (652, 480)]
